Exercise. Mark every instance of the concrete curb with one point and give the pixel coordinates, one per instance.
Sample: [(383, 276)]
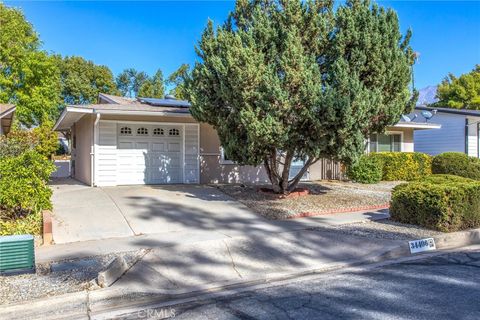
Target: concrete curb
[(333, 211), (81, 305)]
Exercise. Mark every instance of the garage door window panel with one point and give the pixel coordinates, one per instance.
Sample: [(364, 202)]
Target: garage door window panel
[(142, 131), (125, 131), (173, 132), (158, 132)]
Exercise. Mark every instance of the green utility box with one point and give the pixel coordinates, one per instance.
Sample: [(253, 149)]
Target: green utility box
[(17, 254)]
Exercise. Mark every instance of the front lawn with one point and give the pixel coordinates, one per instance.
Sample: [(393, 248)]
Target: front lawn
[(326, 197)]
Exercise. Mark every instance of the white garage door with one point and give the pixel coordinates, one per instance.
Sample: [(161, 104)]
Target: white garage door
[(149, 154)]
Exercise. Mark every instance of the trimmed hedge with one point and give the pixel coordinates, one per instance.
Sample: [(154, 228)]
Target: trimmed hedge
[(406, 166), (456, 163), (366, 170), (444, 178), (391, 166), (441, 202)]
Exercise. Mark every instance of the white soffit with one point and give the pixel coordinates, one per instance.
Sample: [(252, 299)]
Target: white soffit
[(418, 125)]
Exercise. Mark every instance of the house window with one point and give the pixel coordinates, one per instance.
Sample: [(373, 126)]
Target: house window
[(388, 142), (125, 131), (142, 131), (158, 132), (173, 132)]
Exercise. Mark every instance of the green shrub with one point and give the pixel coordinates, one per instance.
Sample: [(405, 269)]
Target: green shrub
[(366, 170), (29, 224), (41, 139), (444, 178), (457, 163), (405, 166), (445, 203), (23, 189), (16, 143), (47, 139)]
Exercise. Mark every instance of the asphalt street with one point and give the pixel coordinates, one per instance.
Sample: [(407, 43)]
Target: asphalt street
[(441, 287)]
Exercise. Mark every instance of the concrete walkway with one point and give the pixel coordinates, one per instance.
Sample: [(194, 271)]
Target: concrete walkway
[(219, 262)]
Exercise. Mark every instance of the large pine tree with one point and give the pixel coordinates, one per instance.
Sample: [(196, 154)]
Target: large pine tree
[(291, 79)]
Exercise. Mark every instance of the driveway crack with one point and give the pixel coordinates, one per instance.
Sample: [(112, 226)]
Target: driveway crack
[(231, 259), (120, 210)]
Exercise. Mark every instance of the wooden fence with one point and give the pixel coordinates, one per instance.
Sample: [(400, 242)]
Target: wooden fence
[(326, 169)]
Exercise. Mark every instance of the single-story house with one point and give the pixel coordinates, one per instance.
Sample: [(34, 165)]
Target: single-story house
[(7, 112), (460, 131), (121, 141)]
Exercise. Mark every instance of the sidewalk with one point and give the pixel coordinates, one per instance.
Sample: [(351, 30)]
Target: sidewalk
[(82, 249), (219, 262)]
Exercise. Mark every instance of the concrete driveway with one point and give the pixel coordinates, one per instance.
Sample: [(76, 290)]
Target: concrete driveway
[(84, 213)]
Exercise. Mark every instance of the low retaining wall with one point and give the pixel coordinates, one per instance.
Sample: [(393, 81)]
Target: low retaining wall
[(63, 169), (47, 227)]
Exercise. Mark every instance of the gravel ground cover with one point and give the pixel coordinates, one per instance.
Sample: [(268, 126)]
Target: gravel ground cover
[(383, 229), (324, 197), (58, 278)]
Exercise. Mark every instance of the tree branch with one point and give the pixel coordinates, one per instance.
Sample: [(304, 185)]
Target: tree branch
[(294, 182)]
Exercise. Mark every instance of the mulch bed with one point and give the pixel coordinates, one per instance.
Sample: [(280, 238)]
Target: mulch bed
[(314, 198)]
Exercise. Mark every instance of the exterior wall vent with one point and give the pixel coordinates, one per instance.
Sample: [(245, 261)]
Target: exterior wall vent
[(17, 254)]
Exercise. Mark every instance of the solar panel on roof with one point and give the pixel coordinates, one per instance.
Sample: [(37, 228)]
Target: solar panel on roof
[(165, 102)]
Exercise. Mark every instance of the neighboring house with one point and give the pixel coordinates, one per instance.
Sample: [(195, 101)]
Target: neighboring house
[(122, 141), (459, 132), (399, 138), (7, 112)]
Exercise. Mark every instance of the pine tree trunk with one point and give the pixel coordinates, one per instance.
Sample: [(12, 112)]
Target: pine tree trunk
[(281, 184)]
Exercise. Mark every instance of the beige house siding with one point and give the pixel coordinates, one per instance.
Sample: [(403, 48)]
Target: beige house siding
[(213, 171), (83, 131)]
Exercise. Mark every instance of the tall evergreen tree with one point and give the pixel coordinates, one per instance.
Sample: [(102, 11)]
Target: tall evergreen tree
[(29, 77), (292, 79)]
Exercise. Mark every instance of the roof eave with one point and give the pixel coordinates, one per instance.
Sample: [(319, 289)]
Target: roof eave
[(82, 111), (464, 112), (66, 111), (8, 111), (144, 113), (418, 126)]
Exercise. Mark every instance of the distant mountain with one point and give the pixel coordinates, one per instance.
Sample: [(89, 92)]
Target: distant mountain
[(427, 95)]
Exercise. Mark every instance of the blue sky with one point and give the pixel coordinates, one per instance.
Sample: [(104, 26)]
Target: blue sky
[(151, 35)]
